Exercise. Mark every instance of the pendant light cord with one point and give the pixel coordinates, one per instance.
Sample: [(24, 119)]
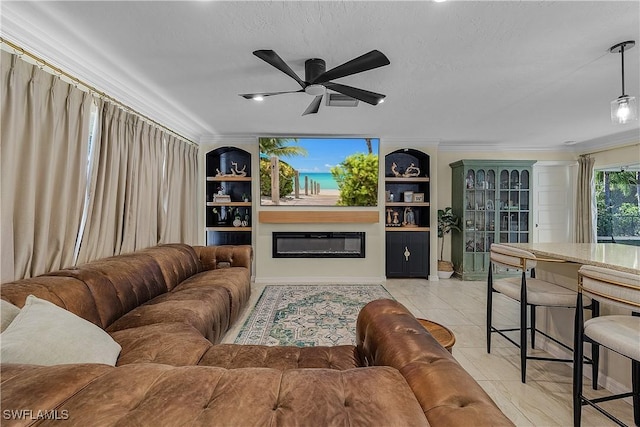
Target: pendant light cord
[(622, 62)]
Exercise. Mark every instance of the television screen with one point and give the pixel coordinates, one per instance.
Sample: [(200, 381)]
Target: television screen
[(319, 171)]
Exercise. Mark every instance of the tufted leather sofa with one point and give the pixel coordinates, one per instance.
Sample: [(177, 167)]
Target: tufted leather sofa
[(168, 306)]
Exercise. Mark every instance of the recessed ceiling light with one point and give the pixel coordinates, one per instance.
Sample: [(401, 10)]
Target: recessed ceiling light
[(439, 1), (258, 98)]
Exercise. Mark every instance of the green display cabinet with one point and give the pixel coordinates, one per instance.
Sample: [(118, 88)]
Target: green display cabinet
[(492, 198)]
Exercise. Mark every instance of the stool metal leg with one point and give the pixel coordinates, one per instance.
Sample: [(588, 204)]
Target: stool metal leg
[(533, 326), (489, 306), (577, 362), (595, 348), (635, 384), (523, 328)]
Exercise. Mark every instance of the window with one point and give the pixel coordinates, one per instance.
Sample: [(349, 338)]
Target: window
[(618, 203)]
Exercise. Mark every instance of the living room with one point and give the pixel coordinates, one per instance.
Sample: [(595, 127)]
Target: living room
[(473, 81)]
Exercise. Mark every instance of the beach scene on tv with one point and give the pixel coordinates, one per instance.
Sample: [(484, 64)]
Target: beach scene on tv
[(319, 171)]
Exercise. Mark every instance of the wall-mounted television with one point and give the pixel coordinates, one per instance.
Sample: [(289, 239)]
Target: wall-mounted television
[(318, 171)]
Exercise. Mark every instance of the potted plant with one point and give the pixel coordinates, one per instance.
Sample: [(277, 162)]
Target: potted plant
[(447, 221)]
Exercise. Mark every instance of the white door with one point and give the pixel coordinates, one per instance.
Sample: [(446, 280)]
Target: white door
[(554, 188)]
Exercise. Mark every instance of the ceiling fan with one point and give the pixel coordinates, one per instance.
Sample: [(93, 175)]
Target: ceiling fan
[(316, 78)]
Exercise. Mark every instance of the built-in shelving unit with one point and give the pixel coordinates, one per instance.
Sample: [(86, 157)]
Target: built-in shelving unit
[(228, 197), (407, 213)]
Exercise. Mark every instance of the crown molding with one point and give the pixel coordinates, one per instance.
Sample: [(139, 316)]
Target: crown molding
[(412, 141), (489, 147), (211, 139), (608, 142)]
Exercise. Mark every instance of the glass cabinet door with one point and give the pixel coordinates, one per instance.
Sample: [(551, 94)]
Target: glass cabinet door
[(513, 213)]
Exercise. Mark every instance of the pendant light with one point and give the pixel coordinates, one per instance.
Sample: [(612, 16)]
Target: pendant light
[(623, 108)]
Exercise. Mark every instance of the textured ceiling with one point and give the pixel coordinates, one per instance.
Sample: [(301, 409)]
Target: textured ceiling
[(488, 74)]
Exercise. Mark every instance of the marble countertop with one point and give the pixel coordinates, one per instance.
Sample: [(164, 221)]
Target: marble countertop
[(610, 255)]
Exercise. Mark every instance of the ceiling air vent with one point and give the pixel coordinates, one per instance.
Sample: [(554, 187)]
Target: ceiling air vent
[(340, 100)]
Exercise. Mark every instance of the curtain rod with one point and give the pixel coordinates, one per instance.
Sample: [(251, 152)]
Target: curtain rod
[(91, 89)]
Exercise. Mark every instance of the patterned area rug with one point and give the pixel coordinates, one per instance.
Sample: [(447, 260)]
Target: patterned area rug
[(308, 315)]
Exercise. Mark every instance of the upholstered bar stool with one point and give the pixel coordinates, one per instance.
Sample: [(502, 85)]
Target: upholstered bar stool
[(529, 293), (618, 333)]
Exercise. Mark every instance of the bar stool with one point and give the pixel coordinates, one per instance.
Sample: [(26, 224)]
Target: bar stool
[(529, 292), (618, 333)]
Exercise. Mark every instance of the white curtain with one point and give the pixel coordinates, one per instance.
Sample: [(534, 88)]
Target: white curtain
[(143, 188), (181, 174), (44, 145), (586, 208), (126, 183)]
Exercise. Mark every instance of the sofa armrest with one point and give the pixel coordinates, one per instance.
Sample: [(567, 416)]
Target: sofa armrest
[(388, 334), (214, 257)]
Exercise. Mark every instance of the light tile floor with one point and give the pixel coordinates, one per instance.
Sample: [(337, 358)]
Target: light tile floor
[(545, 400)]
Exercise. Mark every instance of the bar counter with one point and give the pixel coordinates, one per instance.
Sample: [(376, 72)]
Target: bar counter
[(610, 255)]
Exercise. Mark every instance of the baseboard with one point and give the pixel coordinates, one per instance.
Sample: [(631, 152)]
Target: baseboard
[(313, 280), (604, 381)]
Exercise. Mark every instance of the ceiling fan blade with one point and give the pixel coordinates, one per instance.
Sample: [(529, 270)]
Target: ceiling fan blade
[(360, 94), (314, 106), (273, 59), (368, 61), (264, 94)]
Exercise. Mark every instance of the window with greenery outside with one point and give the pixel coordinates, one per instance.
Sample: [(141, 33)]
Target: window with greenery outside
[(618, 205)]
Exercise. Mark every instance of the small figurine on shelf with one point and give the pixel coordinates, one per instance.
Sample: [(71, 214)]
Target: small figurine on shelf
[(236, 172), (221, 215), (237, 222), (395, 220), (411, 171), (394, 170), (409, 217)]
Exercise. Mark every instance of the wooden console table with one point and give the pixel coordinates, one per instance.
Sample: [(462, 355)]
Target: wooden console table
[(441, 333)]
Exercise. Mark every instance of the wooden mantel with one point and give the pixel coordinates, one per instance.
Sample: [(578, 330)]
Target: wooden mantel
[(315, 217)]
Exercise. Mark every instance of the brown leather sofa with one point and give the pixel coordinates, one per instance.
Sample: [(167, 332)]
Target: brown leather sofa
[(170, 371)]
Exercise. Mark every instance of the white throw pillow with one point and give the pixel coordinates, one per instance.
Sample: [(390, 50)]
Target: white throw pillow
[(45, 334), (8, 312)]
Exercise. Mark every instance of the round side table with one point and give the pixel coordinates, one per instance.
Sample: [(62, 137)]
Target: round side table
[(441, 333)]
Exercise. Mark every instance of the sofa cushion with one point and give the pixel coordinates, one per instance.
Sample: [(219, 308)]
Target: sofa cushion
[(8, 312), (205, 309), (152, 394), (42, 388), (177, 344), (66, 292), (119, 283), (234, 356), (214, 257), (45, 334), (236, 281), (177, 261)]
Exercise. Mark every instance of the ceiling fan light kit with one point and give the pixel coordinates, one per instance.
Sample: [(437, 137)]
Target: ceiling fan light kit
[(317, 79), (624, 108)]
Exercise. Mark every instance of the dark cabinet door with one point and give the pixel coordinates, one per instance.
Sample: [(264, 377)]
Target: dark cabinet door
[(395, 258), (407, 254)]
